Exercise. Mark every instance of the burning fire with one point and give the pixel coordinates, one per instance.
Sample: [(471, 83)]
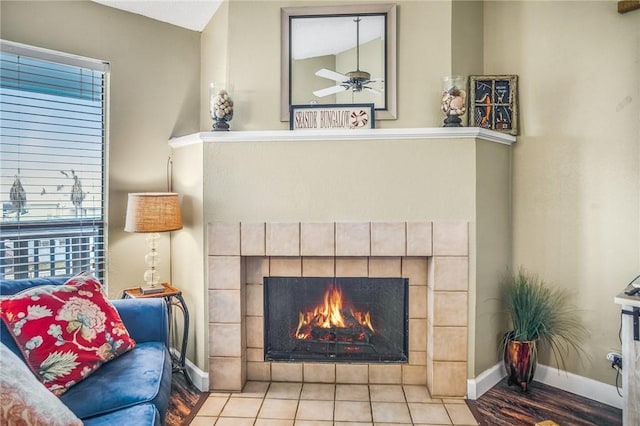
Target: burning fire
[(331, 315)]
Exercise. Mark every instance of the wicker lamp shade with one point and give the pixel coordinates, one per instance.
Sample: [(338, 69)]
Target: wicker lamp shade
[(153, 212)]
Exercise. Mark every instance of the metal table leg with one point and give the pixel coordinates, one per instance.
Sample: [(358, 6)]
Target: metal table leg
[(179, 364)]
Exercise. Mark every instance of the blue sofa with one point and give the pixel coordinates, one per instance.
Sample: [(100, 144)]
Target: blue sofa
[(132, 389)]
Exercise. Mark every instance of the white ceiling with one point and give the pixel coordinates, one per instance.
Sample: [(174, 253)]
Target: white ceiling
[(317, 37), (191, 14)]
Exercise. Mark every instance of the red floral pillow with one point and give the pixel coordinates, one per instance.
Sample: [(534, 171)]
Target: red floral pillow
[(65, 332)]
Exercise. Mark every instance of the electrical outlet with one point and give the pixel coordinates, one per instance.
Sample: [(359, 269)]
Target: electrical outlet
[(615, 358), (611, 356)]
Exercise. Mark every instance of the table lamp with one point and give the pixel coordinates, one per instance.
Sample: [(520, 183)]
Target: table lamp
[(151, 213)]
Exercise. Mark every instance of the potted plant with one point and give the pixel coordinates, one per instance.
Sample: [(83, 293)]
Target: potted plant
[(537, 314)]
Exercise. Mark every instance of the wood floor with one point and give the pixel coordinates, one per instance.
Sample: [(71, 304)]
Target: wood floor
[(184, 401), (507, 406)]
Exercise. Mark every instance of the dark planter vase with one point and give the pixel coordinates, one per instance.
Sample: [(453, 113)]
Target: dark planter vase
[(520, 360)]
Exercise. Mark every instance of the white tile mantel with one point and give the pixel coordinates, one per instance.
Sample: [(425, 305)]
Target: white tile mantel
[(337, 135)]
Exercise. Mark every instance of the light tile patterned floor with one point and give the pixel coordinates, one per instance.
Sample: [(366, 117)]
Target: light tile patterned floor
[(310, 404)]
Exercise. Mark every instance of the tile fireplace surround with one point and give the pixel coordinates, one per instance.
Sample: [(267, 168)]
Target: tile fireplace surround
[(434, 256)]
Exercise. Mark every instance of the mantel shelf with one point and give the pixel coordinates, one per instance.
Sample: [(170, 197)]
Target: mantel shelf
[(337, 135)]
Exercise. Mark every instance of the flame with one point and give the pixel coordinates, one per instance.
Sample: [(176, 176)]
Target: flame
[(331, 314)]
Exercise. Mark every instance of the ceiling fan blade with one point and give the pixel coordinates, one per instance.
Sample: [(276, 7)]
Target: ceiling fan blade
[(372, 90), (376, 79), (332, 75), (329, 91)]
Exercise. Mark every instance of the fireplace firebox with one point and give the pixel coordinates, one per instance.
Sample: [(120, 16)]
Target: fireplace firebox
[(336, 319)]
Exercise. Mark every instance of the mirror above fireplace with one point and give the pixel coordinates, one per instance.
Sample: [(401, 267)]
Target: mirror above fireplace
[(339, 55)]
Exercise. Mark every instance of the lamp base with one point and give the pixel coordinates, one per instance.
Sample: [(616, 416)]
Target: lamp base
[(152, 289)]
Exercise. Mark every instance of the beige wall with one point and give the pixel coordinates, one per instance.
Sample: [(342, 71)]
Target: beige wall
[(340, 181), (493, 252), (154, 94), (576, 186), (467, 50), (214, 67), (188, 249)]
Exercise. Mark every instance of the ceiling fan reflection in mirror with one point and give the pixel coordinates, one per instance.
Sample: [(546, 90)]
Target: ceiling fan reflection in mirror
[(356, 80)]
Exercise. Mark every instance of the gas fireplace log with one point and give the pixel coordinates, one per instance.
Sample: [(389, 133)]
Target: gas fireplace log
[(353, 334)]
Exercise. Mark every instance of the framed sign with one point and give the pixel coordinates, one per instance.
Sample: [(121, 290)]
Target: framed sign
[(493, 102), (343, 116)]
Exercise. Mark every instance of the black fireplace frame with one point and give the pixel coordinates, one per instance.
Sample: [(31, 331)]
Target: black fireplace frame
[(401, 356)]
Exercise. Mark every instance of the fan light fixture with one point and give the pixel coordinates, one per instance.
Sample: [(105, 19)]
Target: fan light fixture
[(355, 80)]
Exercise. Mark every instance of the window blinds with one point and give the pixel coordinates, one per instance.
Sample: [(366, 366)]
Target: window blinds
[(52, 162)]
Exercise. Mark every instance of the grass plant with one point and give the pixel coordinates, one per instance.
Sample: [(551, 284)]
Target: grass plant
[(540, 313)]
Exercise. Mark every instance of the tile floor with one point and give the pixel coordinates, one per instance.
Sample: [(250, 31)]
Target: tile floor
[(310, 404)]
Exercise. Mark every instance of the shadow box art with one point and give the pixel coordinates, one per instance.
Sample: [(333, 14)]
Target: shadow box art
[(493, 102)]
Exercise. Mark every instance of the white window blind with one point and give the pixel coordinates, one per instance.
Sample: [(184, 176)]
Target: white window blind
[(52, 162)]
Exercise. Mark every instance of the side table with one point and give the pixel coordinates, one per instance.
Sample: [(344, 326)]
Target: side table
[(173, 297)]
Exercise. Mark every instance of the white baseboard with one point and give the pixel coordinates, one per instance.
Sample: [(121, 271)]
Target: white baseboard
[(199, 378), (580, 385), (485, 381)]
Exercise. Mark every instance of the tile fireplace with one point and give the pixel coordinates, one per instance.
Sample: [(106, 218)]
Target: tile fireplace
[(429, 259)]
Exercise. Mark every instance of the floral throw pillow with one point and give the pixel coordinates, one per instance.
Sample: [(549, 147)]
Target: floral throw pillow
[(65, 332)]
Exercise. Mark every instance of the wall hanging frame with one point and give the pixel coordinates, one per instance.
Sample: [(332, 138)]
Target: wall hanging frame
[(493, 102)]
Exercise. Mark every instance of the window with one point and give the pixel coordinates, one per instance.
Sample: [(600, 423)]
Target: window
[(52, 163)]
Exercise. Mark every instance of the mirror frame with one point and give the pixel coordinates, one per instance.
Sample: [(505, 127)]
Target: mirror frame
[(286, 13)]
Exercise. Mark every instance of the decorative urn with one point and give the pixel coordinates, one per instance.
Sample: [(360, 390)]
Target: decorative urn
[(220, 106), (454, 100)]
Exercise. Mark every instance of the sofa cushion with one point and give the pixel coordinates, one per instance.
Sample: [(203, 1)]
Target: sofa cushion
[(138, 415), (65, 332), (8, 287), (139, 376), (24, 400)]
